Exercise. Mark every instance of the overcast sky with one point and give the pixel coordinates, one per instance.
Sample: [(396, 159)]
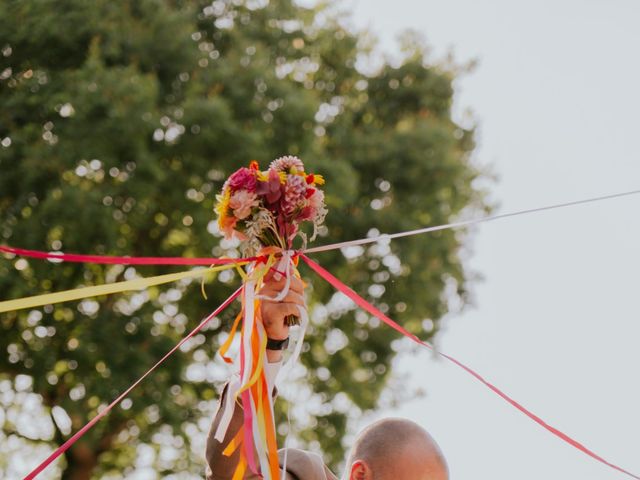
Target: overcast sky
[(556, 320)]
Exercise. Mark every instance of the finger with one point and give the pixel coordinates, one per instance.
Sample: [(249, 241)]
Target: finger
[(276, 274), (297, 285), (295, 298), (291, 297), (273, 285), (270, 274)]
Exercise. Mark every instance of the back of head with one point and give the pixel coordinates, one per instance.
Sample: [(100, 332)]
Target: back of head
[(396, 449)]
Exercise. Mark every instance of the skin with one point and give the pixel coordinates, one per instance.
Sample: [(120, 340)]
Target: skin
[(396, 449), (390, 449), (274, 313)]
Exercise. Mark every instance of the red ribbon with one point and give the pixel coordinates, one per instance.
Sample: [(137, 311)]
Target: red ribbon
[(362, 303), (104, 259), (66, 445)]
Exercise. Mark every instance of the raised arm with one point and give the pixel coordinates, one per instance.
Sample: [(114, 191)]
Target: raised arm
[(220, 467)]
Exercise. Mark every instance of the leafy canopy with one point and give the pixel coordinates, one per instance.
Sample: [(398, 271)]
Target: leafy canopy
[(119, 121)]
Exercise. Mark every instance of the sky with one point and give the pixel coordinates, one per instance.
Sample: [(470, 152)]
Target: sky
[(555, 321)]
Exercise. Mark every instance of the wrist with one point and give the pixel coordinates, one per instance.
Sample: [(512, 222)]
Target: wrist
[(275, 349), (274, 356)]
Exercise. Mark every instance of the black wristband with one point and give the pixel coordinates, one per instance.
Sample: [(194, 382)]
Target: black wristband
[(277, 344)]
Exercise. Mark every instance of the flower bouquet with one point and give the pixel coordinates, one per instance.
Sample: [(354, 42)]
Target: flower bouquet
[(266, 208)]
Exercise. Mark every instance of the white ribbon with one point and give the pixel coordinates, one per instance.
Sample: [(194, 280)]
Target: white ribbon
[(288, 366), (228, 408), (284, 265), (464, 223), (236, 383), (248, 321)]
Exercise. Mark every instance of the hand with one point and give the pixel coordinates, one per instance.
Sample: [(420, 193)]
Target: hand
[(274, 313)]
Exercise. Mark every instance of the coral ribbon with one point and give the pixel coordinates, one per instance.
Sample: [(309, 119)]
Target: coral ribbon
[(362, 303), (116, 287), (66, 445)]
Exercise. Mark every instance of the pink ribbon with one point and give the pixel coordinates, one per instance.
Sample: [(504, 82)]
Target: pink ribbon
[(105, 259), (66, 445), (362, 303)]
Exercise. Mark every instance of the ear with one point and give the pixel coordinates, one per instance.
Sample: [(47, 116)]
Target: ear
[(360, 471)]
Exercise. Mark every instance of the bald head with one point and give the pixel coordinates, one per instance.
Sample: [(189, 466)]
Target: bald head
[(396, 449)]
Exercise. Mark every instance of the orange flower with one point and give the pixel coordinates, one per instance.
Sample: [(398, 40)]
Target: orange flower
[(227, 226)]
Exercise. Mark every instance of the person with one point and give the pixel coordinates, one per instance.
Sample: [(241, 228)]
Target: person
[(390, 449)]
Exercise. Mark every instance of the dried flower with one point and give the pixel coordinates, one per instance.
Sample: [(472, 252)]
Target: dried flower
[(285, 164)]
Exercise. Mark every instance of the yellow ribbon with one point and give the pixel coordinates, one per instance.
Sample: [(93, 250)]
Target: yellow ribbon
[(242, 467), (234, 443), (225, 346), (117, 287)]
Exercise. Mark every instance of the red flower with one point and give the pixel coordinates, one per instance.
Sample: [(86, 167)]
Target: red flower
[(243, 179)]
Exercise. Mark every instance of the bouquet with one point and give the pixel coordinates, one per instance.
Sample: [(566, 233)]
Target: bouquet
[(266, 208)]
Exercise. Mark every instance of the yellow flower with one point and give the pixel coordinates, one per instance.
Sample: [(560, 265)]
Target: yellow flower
[(318, 179), (222, 207)]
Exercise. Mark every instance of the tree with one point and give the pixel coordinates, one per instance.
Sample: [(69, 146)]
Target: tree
[(119, 121)]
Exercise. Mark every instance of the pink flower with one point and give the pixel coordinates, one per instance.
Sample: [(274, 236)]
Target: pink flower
[(243, 179), (294, 194), (316, 200), (242, 202), (284, 164), (314, 207), (271, 189)]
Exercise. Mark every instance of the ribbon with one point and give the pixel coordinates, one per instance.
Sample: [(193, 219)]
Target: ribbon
[(66, 445), (259, 427), (362, 303), (259, 446), (117, 287), (110, 260), (322, 248)]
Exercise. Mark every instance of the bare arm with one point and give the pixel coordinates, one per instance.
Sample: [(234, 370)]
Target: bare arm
[(220, 467)]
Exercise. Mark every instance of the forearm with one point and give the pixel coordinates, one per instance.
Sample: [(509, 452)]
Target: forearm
[(274, 356), (221, 467)]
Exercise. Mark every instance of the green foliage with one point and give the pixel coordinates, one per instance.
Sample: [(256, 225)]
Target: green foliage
[(119, 121)]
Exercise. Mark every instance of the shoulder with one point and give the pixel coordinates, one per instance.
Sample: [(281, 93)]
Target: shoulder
[(303, 465)]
